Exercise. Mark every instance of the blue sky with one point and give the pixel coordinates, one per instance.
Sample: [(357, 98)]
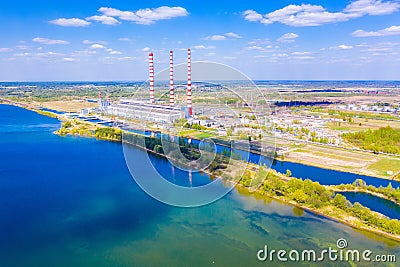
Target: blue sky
[(110, 40)]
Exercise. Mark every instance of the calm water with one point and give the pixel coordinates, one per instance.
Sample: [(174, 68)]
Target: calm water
[(323, 176), (383, 206), (68, 201)]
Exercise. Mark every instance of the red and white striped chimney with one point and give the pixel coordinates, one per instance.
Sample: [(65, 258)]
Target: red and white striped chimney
[(151, 71), (108, 100), (171, 79), (189, 85)]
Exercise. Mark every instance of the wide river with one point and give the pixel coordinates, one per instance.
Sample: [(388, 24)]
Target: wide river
[(70, 201)]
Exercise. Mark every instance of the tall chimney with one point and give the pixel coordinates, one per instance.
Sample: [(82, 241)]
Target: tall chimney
[(171, 79), (189, 85), (151, 71)]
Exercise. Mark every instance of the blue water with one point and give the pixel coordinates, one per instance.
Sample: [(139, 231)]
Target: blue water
[(323, 176), (69, 201), (328, 177), (380, 205), (52, 110)]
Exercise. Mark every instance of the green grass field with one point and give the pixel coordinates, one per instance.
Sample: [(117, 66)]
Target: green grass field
[(384, 165)]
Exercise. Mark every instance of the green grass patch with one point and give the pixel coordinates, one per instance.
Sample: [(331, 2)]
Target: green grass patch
[(382, 166), (204, 135)]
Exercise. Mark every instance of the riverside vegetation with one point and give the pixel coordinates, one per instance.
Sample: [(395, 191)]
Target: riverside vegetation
[(76, 127), (389, 193), (311, 195)]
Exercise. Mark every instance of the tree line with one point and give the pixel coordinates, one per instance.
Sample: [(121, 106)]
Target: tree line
[(385, 139)]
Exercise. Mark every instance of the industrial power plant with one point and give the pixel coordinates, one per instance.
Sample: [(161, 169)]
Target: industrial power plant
[(151, 110)]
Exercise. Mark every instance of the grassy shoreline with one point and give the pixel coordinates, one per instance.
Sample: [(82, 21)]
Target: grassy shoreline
[(321, 213), (337, 168)]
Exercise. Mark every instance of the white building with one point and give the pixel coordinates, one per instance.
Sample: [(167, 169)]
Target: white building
[(145, 111)]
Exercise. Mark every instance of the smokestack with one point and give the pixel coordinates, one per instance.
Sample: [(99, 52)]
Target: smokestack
[(189, 85), (108, 100), (171, 79), (151, 71)]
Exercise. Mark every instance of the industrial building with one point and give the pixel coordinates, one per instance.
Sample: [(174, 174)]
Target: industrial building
[(128, 108), (152, 111)]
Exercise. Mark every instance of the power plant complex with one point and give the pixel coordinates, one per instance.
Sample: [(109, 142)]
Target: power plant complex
[(151, 110)]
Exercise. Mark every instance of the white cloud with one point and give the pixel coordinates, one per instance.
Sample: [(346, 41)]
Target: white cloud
[(341, 47), (215, 38), (87, 42), (26, 54), (126, 58), (280, 55), (113, 52), (303, 57), (4, 49), (74, 22), (202, 47), (97, 46), (48, 54), (23, 47), (49, 41), (345, 47), (106, 20), (251, 15), (145, 16), (381, 48), (146, 49), (39, 56), (228, 35), (124, 39), (300, 53), (233, 35), (259, 41), (393, 30), (254, 47), (288, 38), (372, 7), (69, 59), (315, 15), (84, 53)]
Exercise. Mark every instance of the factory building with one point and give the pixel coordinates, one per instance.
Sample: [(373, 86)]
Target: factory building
[(152, 111), (132, 109), (103, 104)]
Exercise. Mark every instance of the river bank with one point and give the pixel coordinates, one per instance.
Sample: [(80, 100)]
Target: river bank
[(349, 221), (323, 162), (382, 196)]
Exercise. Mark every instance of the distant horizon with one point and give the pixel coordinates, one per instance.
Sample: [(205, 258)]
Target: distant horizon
[(255, 80), (278, 40)]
